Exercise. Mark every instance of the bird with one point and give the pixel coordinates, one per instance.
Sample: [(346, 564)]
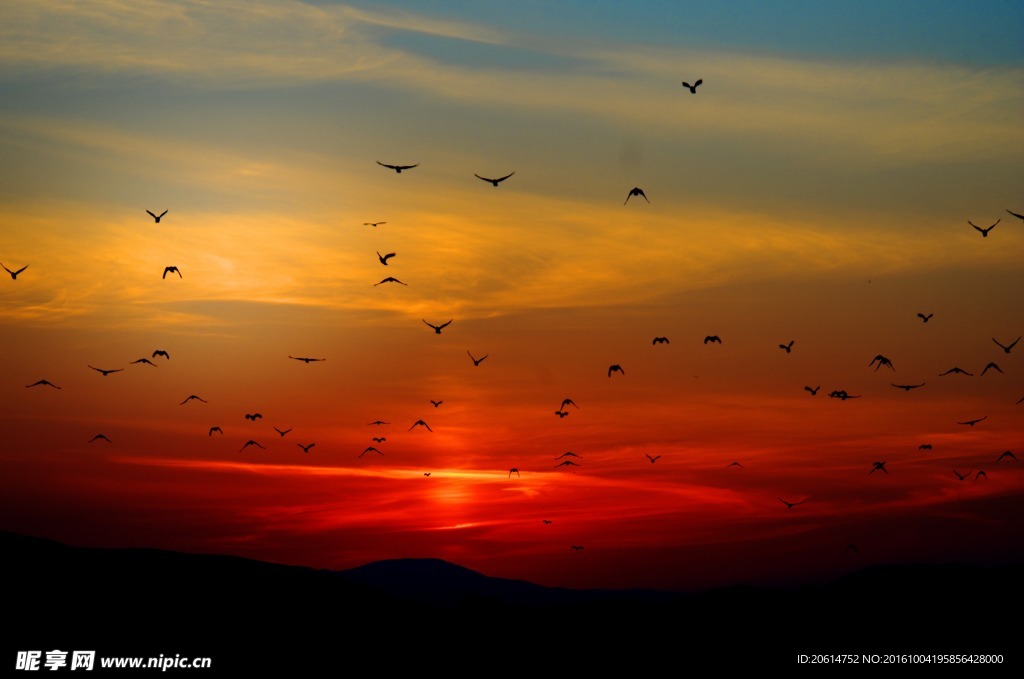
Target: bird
[(569, 402), (814, 391), (962, 476), (878, 466), (494, 181), (1020, 217), (841, 394), (908, 387), (370, 449), (477, 361), (161, 352), (306, 360), (384, 258), (192, 397), (925, 318), (991, 365), (660, 340), (373, 224), (925, 446), (546, 522), (693, 87), (107, 372), (248, 443), (1020, 401), (254, 416), (636, 191), (882, 360), (155, 217), (426, 473), (971, 423), (1007, 453), (568, 454), (437, 328), (1004, 347), (615, 368), (46, 383), (652, 459), (790, 505), (379, 439), (956, 370), (981, 472), (438, 403), (576, 547), (984, 232), (713, 338), (420, 423), (514, 469), (171, 269), (282, 433), (213, 429), (735, 464), (567, 463), (305, 449), (561, 413), (99, 436), (146, 361), (787, 347), (389, 279), (397, 168), (378, 422), (14, 274)]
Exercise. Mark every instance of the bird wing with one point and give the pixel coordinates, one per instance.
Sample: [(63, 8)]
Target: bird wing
[(151, 214), (1015, 214)]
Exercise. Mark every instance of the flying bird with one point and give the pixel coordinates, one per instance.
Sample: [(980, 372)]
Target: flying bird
[(514, 469), (907, 387), (420, 423), (576, 547), (1005, 347), (378, 422), (878, 466), (397, 168), (925, 446), (477, 361), (306, 360), (615, 368), (925, 318), (956, 370), (107, 372), (1020, 217), (254, 416), (568, 454), (790, 505), (161, 352), (841, 395), (971, 423), (981, 472), (712, 338), (735, 464), (991, 365), (146, 361), (660, 340), (561, 413), (379, 439), (984, 232), (305, 449), (389, 279), (100, 437), (373, 224), (1007, 453), (693, 87), (813, 392), (652, 459), (14, 274), (370, 449), (546, 522), (437, 328), (882, 360), (567, 463), (282, 433), (787, 347), (438, 403), (962, 476), (426, 473), (384, 258), (171, 269), (569, 402), (636, 191), (248, 443), (213, 429), (193, 396), (494, 181)]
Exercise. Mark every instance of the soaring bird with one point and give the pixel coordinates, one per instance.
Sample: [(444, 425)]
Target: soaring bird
[(514, 469), (576, 548), (192, 397), (477, 361), (568, 454), (397, 168), (390, 279), (788, 348), (984, 232), (305, 449), (615, 368), (569, 402), (373, 224), (956, 370), (156, 217), (735, 464), (1020, 217), (660, 340), (1007, 453), (420, 423), (546, 522), (712, 338), (213, 429), (107, 372), (99, 437), (841, 394), (1005, 347), (652, 459), (561, 413), (971, 423), (161, 352), (14, 274), (878, 466), (993, 366), (380, 439), (254, 416), (981, 472), (494, 181), (925, 318), (636, 191), (437, 328), (370, 449), (306, 360), (426, 473), (814, 391), (567, 463), (438, 403), (171, 269), (908, 387), (248, 443), (962, 476), (693, 87), (925, 446), (882, 360), (384, 258), (282, 433), (146, 361), (378, 422), (790, 505)]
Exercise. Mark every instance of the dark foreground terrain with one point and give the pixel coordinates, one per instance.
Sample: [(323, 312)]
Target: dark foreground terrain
[(432, 615)]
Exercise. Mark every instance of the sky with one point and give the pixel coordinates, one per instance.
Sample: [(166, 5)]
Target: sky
[(818, 188)]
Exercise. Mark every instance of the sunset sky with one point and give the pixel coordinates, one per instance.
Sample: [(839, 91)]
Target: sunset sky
[(816, 188)]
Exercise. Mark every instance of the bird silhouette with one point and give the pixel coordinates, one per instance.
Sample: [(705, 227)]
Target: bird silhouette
[(962, 476), (652, 459), (437, 328), (283, 432), (576, 548), (546, 522), (814, 391), (693, 87), (615, 368), (379, 422), (171, 269), (992, 366), (841, 394), (477, 361), (107, 372), (14, 274), (568, 454), (373, 224), (1020, 401), (660, 340), (882, 360), (379, 439), (971, 423), (161, 352), (788, 348), (438, 403), (389, 279), (908, 387), (735, 464), (99, 437), (384, 258), (790, 505), (956, 370), (213, 429), (306, 360), (190, 398), (248, 443), (494, 181), (984, 232), (567, 463), (370, 449), (420, 423), (254, 416), (713, 338), (426, 473), (569, 402), (514, 469), (878, 466), (305, 449), (146, 361), (636, 191), (1006, 348), (925, 318), (397, 168), (981, 472), (1005, 454), (1020, 217), (155, 217), (925, 446), (561, 413)]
